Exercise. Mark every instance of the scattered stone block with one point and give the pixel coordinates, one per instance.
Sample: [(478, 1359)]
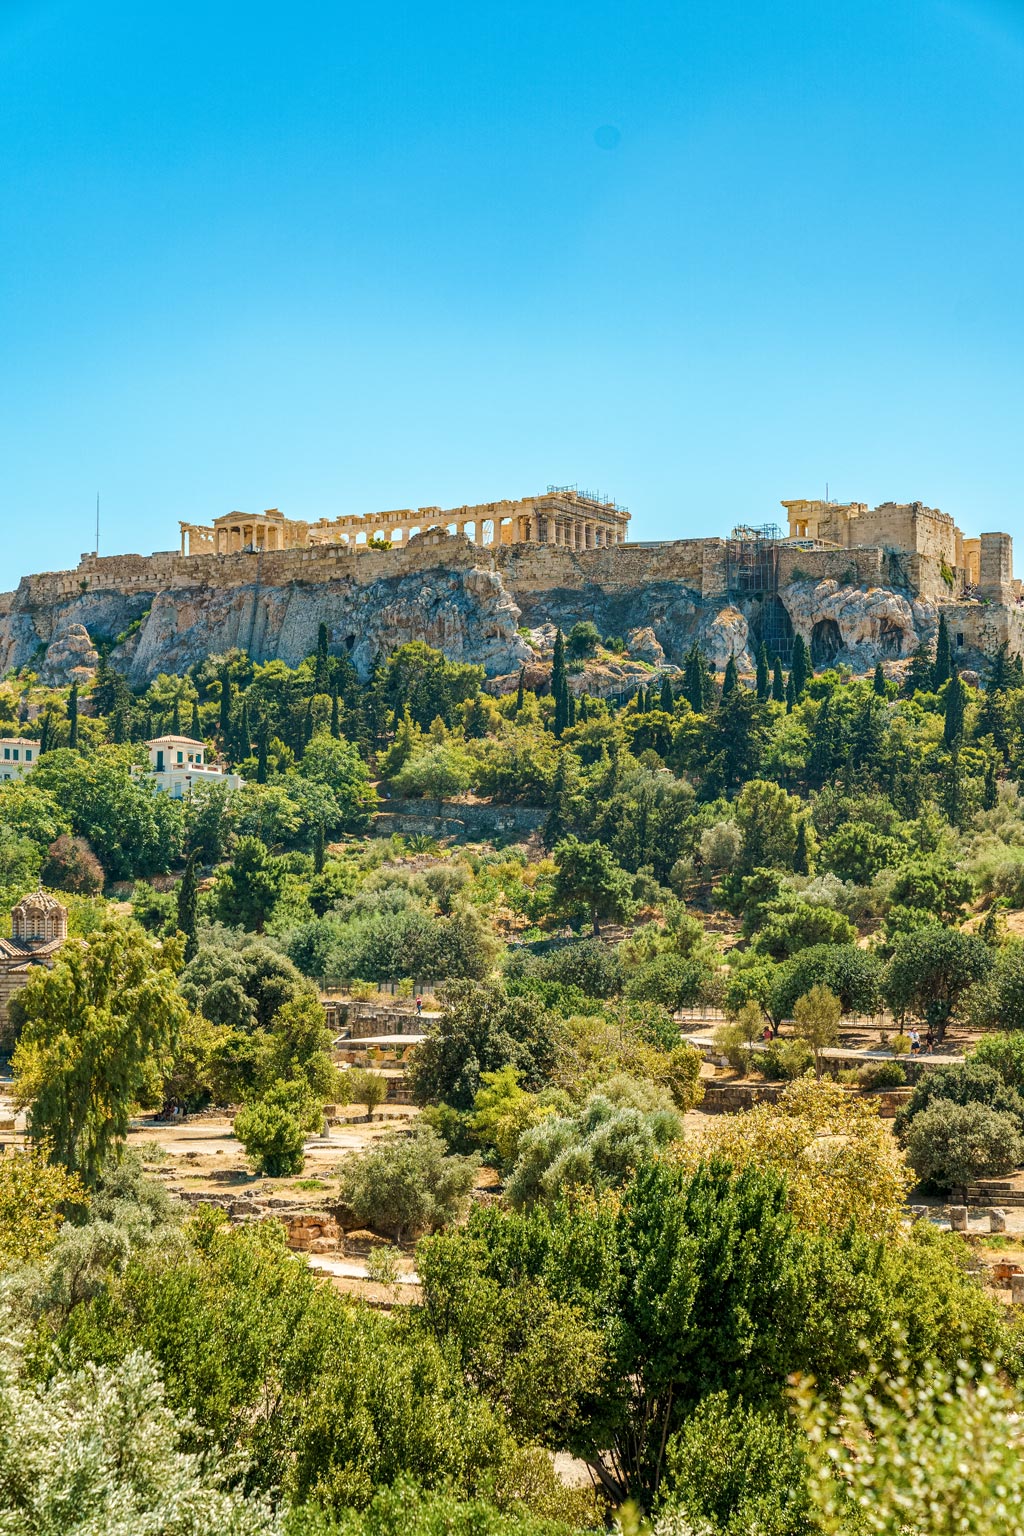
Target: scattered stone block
[(958, 1218), (1017, 1290), (997, 1219)]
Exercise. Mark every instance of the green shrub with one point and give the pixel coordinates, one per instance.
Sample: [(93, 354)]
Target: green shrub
[(953, 1144), (883, 1074), (785, 1060), (272, 1137), (406, 1185)]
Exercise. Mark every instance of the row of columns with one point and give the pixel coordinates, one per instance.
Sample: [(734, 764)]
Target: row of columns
[(565, 532)]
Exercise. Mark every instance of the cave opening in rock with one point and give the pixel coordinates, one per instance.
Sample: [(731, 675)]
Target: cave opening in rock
[(891, 637), (826, 643)]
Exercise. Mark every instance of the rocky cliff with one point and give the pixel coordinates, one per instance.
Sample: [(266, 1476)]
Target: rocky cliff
[(162, 613)]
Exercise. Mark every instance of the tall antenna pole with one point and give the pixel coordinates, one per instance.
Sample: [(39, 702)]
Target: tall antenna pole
[(97, 522)]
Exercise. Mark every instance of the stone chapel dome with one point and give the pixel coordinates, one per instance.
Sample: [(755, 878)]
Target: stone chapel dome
[(39, 919)]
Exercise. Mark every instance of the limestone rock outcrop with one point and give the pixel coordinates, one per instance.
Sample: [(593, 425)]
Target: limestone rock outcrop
[(723, 633), (70, 657), (855, 625)]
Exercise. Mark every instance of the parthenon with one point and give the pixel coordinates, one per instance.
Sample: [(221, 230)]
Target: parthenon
[(563, 516)]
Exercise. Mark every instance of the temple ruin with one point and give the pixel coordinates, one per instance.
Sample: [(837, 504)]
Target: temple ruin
[(563, 516)]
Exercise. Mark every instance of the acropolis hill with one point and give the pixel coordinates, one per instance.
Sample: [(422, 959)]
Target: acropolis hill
[(859, 583)]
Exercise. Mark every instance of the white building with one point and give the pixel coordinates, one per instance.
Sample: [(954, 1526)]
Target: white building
[(178, 764), (18, 755)]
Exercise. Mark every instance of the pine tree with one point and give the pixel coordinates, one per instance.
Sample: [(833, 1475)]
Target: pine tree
[(563, 788), (319, 848), (994, 720), (778, 683), (73, 718), (942, 668), (118, 726), (878, 681), (668, 702), (801, 666), (521, 690), (762, 686), (558, 666), (953, 722), (790, 694), (335, 716), (731, 680), (196, 727), (188, 905), (990, 793), (801, 861)]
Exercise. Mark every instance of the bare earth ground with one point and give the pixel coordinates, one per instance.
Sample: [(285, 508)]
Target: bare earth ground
[(202, 1155)]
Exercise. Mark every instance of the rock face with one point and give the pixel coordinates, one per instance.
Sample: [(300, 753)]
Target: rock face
[(163, 613), (70, 657), (857, 626)]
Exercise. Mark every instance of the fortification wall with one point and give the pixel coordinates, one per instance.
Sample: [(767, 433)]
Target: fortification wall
[(470, 600)]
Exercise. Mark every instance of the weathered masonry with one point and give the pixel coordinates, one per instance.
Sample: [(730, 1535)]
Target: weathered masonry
[(563, 516)]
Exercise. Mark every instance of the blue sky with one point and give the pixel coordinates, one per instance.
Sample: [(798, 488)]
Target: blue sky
[(700, 255)]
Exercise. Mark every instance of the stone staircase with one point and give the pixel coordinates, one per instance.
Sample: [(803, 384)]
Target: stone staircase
[(999, 1192)]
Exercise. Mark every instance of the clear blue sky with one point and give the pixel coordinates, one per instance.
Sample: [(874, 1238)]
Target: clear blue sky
[(701, 255)]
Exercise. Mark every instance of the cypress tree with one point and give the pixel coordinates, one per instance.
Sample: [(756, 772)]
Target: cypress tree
[(668, 702), (570, 711), (197, 725), (801, 863), (262, 743), (558, 666), (919, 676), (999, 676), (319, 849), (243, 742), (561, 709), (790, 694), (584, 710), (953, 723), (521, 690), (762, 685), (335, 716), (73, 718), (176, 716), (801, 670), (104, 691), (323, 662), (44, 734), (824, 756), (188, 905), (225, 705), (698, 687), (731, 680), (990, 793), (119, 731), (307, 725), (878, 681), (942, 670), (778, 685)]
